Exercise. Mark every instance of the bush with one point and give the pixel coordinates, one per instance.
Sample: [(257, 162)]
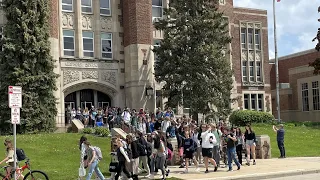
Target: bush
[(87, 131), (244, 117), (98, 130)]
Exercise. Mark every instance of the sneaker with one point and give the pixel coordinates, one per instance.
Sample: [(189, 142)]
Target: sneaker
[(238, 168), (230, 170), (167, 172), (248, 164), (254, 163), (206, 171), (130, 179), (181, 166), (197, 169), (185, 171), (151, 176), (215, 169), (147, 176)]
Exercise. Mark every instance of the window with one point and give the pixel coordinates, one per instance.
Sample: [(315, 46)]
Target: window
[(315, 95), (88, 50), (244, 71), (246, 101), (156, 43), (106, 45), (253, 102), (68, 42), (250, 38), (305, 97), (157, 8), (258, 71), (260, 102), (105, 7), (244, 38), (257, 39), (86, 6), (67, 5), (251, 71)]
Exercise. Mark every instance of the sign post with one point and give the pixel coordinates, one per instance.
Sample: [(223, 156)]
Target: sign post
[(15, 103)]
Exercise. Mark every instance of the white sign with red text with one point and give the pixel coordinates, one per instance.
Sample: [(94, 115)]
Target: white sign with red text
[(15, 96)]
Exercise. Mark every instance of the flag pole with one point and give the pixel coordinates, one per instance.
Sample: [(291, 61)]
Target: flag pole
[(276, 60)]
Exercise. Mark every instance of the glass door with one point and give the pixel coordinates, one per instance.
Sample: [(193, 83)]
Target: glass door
[(103, 104), (86, 105)]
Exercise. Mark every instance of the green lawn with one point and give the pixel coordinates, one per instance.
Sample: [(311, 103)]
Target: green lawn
[(58, 154)]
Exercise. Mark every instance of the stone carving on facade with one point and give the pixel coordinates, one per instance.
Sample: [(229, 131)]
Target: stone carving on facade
[(110, 77), (86, 22), (243, 24), (253, 84), (257, 26), (87, 65), (70, 76), (258, 56), (250, 25), (239, 100), (106, 24), (244, 55), (90, 75), (251, 56), (67, 20), (267, 103)]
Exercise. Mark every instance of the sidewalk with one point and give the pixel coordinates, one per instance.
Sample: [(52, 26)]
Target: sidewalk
[(266, 168)]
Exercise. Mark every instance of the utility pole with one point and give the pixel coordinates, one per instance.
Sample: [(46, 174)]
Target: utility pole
[(276, 60)]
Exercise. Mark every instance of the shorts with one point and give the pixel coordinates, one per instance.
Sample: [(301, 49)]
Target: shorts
[(207, 152), (250, 143), (188, 155)]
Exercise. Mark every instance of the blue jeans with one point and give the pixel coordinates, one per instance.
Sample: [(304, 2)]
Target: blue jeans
[(94, 167), (232, 155)]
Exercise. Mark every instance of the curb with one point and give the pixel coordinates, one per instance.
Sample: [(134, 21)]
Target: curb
[(267, 175)]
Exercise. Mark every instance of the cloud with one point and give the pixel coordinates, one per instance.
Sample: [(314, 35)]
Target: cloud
[(296, 23)]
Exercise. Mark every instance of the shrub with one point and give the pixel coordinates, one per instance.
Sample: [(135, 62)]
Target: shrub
[(87, 131), (98, 130), (244, 117), (105, 132)]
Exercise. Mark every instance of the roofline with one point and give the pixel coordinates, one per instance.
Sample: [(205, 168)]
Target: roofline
[(262, 10), (294, 55)]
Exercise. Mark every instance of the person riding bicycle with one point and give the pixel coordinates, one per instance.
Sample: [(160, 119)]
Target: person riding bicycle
[(9, 159)]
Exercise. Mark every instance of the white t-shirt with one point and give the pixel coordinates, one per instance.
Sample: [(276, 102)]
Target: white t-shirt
[(164, 125), (208, 139)]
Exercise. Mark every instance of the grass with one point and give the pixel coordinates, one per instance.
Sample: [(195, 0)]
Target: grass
[(58, 154)]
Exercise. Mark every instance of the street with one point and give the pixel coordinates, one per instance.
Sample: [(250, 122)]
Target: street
[(304, 177)]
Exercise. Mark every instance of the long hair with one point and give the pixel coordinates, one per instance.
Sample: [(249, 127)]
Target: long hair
[(82, 139), (239, 133), (250, 129), (156, 141)]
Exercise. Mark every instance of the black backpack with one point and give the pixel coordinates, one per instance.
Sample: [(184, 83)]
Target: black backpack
[(20, 154)]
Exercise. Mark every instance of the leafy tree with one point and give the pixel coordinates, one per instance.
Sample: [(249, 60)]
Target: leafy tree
[(191, 60), (316, 63), (26, 61)]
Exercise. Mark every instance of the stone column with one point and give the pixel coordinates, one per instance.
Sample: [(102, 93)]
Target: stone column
[(139, 65), (95, 98), (78, 99)]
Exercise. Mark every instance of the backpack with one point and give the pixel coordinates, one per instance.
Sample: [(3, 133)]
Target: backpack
[(20, 154), (98, 152), (142, 149)]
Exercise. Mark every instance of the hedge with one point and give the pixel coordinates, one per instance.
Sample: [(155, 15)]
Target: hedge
[(244, 117), (99, 131)]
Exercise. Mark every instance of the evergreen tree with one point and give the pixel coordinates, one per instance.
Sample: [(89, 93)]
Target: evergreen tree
[(316, 63), (191, 58), (26, 61)]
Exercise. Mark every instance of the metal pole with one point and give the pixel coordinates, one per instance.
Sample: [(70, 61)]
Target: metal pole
[(15, 149), (276, 60)]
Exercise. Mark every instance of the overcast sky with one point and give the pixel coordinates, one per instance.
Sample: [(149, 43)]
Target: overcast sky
[(296, 23)]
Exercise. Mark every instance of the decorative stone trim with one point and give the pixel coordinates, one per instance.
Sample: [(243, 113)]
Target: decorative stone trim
[(87, 22), (122, 70), (259, 84), (70, 76), (90, 75), (110, 77), (106, 24), (67, 20)]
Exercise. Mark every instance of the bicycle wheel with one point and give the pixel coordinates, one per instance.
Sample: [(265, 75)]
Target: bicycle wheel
[(36, 175)]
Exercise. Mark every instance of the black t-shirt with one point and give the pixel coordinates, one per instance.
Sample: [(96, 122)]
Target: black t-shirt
[(230, 142)]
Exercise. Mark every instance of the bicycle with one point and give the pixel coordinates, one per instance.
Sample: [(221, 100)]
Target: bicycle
[(31, 175)]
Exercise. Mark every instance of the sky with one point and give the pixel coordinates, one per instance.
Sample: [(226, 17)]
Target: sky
[(297, 23)]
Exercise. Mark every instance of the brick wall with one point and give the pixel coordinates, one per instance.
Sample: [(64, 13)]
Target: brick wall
[(137, 22), (286, 63), (53, 18)]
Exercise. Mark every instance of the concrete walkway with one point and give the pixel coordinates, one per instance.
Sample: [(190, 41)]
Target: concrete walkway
[(267, 168)]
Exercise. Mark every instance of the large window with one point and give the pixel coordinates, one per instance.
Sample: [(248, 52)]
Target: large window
[(106, 45), (244, 38), (258, 71), (86, 6), (244, 71), (105, 7), (253, 102), (250, 38), (257, 39), (67, 5), (305, 96), (68, 42), (251, 71), (88, 44), (315, 95), (157, 8)]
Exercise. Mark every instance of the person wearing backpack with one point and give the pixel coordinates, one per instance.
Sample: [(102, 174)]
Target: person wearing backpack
[(189, 147), (93, 161), (9, 159), (143, 158), (133, 146), (122, 159), (231, 139)]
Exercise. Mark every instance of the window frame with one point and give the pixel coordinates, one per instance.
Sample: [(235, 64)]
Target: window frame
[(257, 46), (305, 96), (258, 71), (83, 50), (106, 9), (243, 44), (74, 44), (250, 45), (101, 39), (252, 77), (91, 7), (260, 99), (246, 99), (65, 4), (244, 65), (315, 95), (156, 6)]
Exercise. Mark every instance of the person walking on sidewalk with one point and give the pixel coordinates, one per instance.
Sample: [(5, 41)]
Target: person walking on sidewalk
[(216, 146), (250, 140), (280, 140), (208, 140), (231, 140)]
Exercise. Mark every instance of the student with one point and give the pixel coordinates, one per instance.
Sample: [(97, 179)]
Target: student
[(250, 140), (280, 140), (122, 158), (92, 161), (231, 148), (208, 140), (9, 159), (189, 147)]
